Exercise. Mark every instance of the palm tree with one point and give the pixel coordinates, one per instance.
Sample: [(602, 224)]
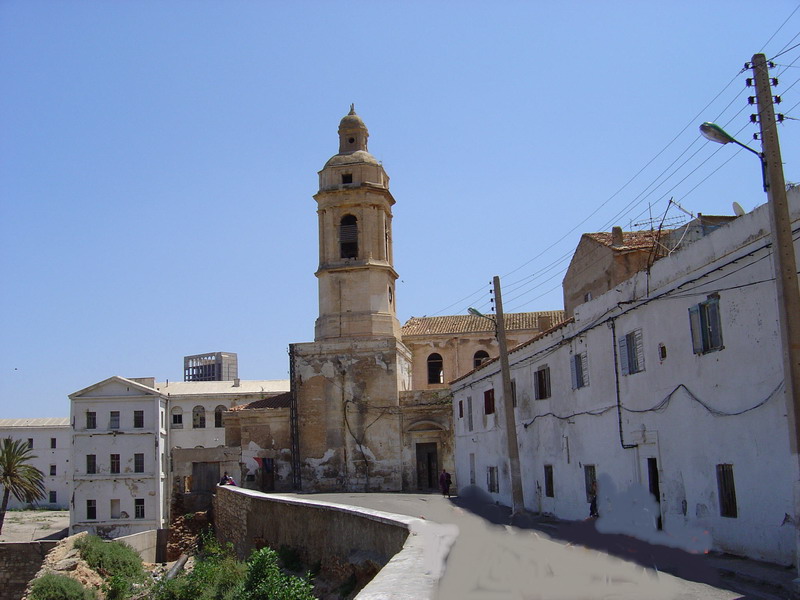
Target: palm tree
[(17, 477)]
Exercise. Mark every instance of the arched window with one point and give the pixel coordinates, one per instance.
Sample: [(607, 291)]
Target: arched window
[(198, 417), (177, 417), (481, 356), (435, 368), (218, 416), (348, 237)]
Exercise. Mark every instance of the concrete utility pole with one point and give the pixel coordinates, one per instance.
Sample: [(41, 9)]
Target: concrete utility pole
[(785, 265), (517, 498)]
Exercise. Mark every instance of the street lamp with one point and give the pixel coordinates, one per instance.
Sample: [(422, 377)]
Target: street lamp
[(783, 256), (517, 498), (715, 133)]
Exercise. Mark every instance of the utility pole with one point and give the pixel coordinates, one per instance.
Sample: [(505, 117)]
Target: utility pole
[(517, 498), (785, 265)]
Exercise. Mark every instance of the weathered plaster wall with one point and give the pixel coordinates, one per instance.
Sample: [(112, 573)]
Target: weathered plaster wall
[(348, 409), (687, 411), (19, 563), (426, 417)]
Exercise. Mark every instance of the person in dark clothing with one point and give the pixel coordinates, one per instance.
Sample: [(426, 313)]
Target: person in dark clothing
[(444, 483), (593, 500), (226, 479)]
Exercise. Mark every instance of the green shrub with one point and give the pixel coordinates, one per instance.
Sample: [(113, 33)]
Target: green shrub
[(59, 587), (117, 587), (290, 558), (111, 558), (265, 581)]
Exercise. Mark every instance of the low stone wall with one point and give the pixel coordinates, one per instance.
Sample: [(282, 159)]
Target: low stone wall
[(412, 550), (19, 562)]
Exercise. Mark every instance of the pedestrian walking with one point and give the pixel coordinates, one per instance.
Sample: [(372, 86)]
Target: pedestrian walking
[(444, 483), (593, 500)]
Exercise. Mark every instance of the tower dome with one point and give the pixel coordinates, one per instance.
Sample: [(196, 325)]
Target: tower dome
[(353, 133)]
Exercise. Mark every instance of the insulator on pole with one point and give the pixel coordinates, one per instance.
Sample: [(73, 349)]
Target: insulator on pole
[(749, 82)]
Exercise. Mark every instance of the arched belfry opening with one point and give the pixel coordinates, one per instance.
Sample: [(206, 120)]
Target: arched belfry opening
[(348, 237)]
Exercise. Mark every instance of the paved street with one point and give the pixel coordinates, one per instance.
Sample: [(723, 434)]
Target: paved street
[(492, 560), (29, 525)]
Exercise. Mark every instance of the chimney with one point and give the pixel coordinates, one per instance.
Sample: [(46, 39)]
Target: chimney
[(236, 382), (616, 236)]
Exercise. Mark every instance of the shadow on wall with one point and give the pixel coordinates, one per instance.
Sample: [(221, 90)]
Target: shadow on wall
[(634, 539)]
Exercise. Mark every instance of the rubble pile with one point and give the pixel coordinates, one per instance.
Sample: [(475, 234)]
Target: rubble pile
[(184, 532), (65, 559)]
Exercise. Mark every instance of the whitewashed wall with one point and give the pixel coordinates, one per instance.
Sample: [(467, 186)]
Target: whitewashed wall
[(45, 456), (692, 430)]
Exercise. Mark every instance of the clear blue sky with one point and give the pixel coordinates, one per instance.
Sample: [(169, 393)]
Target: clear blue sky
[(158, 160)]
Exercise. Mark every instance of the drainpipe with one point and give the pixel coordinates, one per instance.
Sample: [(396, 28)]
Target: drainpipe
[(616, 382)]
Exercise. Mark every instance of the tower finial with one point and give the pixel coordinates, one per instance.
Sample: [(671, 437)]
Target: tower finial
[(352, 109)]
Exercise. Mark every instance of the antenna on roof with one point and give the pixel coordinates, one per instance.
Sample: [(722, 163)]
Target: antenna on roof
[(738, 210)]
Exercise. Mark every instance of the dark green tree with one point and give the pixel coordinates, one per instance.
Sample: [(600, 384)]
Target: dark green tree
[(17, 477)]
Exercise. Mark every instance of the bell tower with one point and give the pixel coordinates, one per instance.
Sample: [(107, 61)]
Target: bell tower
[(356, 276)]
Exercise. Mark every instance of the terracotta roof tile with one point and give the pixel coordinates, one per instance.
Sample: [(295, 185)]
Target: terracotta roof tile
[(279, 401), (631, 240), (453, 324)]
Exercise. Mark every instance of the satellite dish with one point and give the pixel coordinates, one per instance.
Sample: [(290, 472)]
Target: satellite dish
[(738, 210)]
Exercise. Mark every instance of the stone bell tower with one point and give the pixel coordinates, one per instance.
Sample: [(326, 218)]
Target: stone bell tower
[(356, 274), (347, 383)]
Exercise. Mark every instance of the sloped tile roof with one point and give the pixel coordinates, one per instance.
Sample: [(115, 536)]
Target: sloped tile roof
[(246, 386), (473, 324), (43, 422), (279, 401), (631, 240)]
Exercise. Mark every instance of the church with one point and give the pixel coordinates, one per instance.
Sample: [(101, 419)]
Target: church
[(369, 407)]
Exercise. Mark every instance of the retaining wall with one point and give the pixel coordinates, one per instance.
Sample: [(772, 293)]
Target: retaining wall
[(144, 543), (19, 563), (412, 550)]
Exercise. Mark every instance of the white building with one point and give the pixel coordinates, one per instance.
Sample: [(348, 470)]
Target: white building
[(124, 434), (119, 461), (51, 442), (671, 382)]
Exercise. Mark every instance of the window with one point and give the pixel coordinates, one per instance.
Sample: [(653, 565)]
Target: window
[(91, 464), (705, 325), (138, 463), (541, 382), (91, 510), (198, 417), (114, 463), (472, 468), (460, 409), (435, 368), (514, 393), (177, 418), (52, 442), (488, 402), (113, 422), (138, 419), (138, 508), (91, 420), (53, 497), (589, 479), (115, 510), (52, 470), (727, 491), (481, 356), (348, 237), (469, 413), (579, 369), (491, 480), (347, 178), (218, 416), (548, 481), (30, 443), (631, 352)]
